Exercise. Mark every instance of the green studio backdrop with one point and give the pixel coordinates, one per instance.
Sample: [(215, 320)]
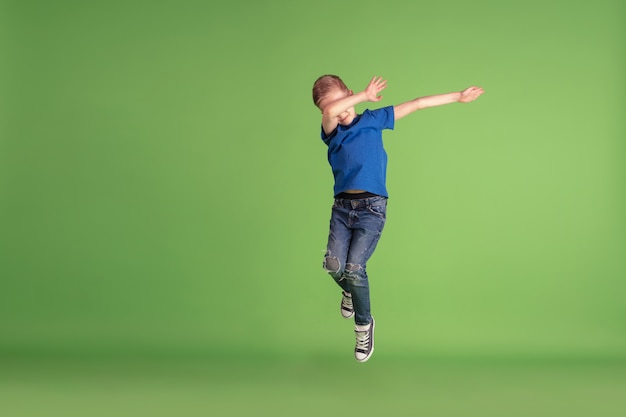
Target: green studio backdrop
[(164, 190)]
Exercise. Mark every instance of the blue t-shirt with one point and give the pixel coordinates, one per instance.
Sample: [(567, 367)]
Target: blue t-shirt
[(356, 153)]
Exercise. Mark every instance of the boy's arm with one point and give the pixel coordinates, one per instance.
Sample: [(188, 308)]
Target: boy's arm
[(332, 110), (465, 96)]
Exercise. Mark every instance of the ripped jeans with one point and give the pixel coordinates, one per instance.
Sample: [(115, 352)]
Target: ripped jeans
[(355, 228)]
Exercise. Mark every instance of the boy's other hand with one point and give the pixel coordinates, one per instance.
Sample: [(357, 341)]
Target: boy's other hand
[(470, 94), (376, 85)]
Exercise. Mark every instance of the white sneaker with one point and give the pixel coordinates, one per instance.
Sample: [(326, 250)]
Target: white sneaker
[(347, 310), (364, 342)]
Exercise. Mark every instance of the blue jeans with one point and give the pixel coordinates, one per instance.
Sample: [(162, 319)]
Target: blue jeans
[(355, 228)]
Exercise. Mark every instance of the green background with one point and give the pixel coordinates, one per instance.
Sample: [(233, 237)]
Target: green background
[(165, 196)]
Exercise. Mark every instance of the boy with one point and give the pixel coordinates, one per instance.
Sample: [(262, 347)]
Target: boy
[(359, 164)]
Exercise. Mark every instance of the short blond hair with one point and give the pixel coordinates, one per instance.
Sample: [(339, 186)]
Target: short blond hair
[(325, 84)]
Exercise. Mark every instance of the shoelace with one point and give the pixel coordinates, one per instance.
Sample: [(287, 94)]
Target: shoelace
[(347, 303), (362, 340)]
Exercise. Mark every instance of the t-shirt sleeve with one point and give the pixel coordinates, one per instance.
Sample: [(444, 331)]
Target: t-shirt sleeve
[(382, 118), (326, 138)]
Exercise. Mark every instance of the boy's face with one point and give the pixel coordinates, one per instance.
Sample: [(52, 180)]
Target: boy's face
[(347, 116)]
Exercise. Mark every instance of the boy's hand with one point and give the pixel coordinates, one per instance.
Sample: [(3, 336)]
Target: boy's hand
[(470, 94), (376, 85)]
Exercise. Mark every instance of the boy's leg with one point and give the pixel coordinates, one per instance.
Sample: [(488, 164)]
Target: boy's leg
[(367, 230), (339, 238)]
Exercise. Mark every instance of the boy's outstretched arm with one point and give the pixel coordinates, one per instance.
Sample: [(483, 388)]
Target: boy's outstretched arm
[(465, 96)]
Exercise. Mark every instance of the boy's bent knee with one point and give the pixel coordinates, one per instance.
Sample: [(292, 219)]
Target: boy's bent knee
[(331, 264)]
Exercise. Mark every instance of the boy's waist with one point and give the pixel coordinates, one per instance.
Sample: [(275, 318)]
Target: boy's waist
[(359, 203)]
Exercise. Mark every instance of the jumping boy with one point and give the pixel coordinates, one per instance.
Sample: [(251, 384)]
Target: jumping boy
[(359, 164)]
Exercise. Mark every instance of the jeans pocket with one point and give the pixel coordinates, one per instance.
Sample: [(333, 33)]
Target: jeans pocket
[(379, 210)]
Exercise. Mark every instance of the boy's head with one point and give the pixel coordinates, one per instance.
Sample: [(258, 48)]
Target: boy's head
[(328, 85)]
